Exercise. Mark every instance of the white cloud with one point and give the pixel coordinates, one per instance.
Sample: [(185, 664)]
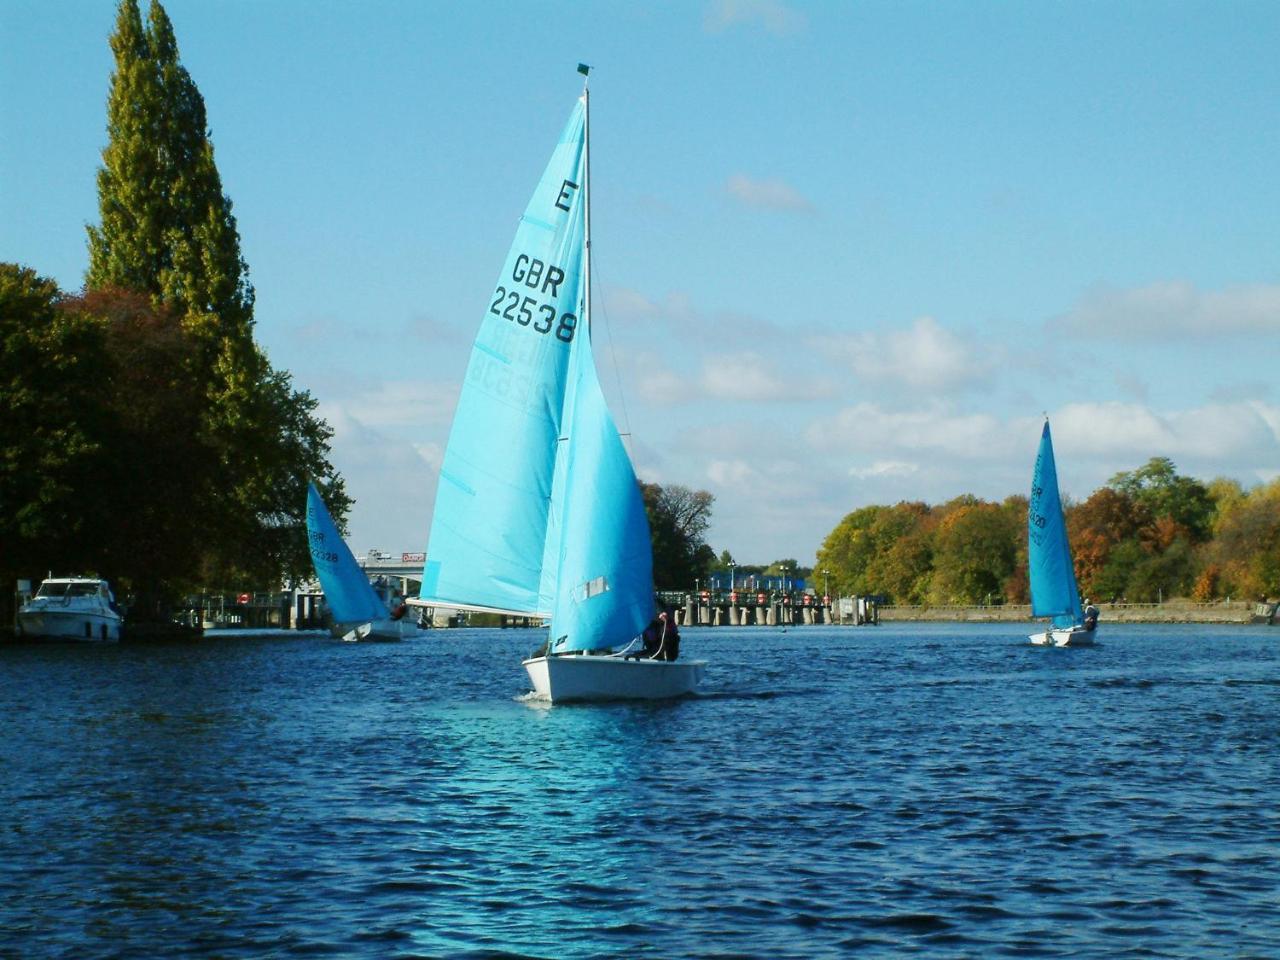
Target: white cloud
[(767, 194), (750, 377), (884, 468), (926, 357), (1175, 308), (1218, 432), (770, 15), (394, 403), (392, 482), (868, 427)]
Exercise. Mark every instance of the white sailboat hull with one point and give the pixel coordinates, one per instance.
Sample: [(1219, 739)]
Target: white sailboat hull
[(385, 629), (571, 678), (1068, 637)]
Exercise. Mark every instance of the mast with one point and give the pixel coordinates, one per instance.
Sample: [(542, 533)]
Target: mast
[(586, 193)]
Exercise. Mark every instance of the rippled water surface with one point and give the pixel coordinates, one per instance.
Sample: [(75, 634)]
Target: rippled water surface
[(934, 789)]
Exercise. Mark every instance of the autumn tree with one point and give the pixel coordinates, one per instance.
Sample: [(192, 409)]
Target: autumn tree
[(975, 550), (1095, 528), (678, 522), (1246, 549), (1183, 501)]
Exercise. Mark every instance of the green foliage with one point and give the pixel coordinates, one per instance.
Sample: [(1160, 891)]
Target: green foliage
[(167, 228), (52, 426), (974, 552), (167, 232), (1183, 500), (1095, 528), (1148, 534), (1246, 549), (881, 550), (678, 521)]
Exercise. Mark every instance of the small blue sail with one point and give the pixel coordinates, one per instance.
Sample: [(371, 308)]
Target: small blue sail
[(605, 557), (346, 587), (1053, 579), (491, 526)]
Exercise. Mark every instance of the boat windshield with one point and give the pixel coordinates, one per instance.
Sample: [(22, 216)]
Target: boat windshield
[(52, 589), (83, 590)]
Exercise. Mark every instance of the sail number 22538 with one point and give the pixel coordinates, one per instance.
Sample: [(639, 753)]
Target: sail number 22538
[(528, 311)]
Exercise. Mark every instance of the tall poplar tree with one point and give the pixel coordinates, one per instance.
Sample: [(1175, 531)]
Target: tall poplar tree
[(167, 228), (167, 231)]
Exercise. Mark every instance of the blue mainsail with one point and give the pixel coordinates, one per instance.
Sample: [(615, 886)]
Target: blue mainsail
[(492, 523), (1053, 579), (605, 556), (346, 587)]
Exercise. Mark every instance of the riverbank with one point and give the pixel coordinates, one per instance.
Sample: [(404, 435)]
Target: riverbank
[(1172, 611)]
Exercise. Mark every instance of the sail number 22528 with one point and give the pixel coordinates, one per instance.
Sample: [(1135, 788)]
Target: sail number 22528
[(516, 306)]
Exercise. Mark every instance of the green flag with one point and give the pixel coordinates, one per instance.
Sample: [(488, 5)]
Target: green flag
[(583, 69)]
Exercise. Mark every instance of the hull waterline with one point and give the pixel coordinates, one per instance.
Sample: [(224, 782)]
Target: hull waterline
[(583, 678), (385, 630), (1071, 637)]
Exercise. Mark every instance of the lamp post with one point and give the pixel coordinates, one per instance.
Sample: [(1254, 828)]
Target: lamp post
[(826, 585), (732, 585)]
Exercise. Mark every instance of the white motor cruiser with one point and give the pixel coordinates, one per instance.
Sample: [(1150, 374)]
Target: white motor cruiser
[(71, 608)]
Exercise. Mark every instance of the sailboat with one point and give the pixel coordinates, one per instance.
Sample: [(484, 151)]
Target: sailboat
[(360, 611), (538, 511), (1054, 593)]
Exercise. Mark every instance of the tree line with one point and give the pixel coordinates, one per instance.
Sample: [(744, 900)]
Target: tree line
[(145, 435), (1145, 535)]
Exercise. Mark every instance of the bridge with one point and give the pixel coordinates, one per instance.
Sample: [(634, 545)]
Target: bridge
[(407, 566)]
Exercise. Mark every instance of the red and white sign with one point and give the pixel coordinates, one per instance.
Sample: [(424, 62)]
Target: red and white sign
[(243, 598), (413, 558)]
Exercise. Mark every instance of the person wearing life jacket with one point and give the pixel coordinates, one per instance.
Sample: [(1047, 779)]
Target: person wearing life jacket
[(1090, 615)]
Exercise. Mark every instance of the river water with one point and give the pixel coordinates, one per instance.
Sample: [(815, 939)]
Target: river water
[(930, 789)]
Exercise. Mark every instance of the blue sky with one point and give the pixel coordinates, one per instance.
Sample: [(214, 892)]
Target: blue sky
[(846, 253)]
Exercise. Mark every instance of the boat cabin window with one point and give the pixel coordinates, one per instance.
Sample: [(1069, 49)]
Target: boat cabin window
[(52, 589), (83, 590)]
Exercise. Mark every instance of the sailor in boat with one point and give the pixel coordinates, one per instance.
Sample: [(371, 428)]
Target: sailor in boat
[(652, 640), (669, 639), (1090, 615), (660, 639)]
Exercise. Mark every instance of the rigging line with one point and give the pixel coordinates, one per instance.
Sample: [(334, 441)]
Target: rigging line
[(613, 356)]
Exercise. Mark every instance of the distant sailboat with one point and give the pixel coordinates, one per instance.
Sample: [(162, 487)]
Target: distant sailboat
[(538, 511), (358, 612), (1054, 592)]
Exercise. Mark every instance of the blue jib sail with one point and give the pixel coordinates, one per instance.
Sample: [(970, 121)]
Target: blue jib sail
[(605, 556), (490, 525), (1053, 579), (346, 587)]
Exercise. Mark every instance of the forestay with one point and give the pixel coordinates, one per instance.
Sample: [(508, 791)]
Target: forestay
[(1053, 580), (346, 587)]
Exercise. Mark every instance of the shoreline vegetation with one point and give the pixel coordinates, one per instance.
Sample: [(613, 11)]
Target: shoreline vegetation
[(1171, 611), (1147, 536)]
